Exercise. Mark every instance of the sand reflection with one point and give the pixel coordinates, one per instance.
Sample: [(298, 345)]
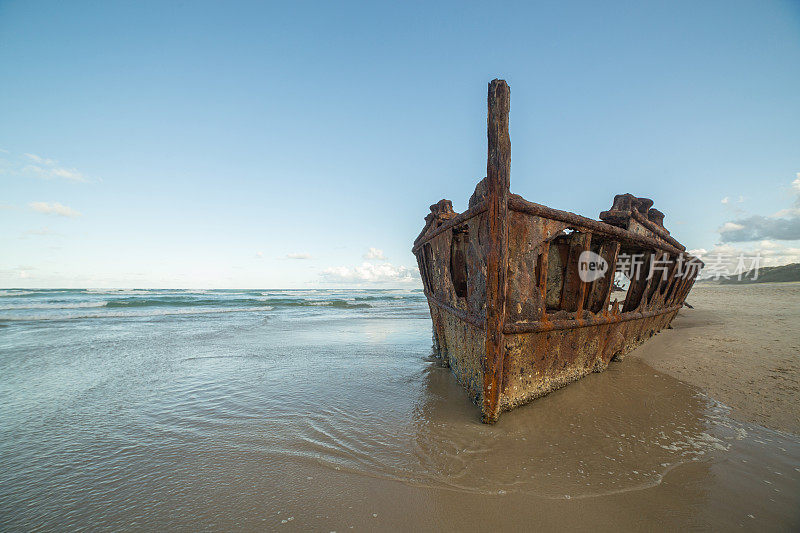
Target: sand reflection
[(617, 431)]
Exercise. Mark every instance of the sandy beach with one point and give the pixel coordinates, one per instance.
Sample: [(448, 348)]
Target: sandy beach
[(741, 344)]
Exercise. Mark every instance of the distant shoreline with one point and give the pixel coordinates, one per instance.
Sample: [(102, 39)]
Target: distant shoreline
[(778, 274)]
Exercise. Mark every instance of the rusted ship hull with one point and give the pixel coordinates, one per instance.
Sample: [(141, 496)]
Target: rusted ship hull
[(513, 314)]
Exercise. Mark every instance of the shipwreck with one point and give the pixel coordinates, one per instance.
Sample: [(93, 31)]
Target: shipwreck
[(520, 294)]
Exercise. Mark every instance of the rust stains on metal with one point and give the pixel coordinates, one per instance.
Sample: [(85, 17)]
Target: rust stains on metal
[(498, 176), (520, 294)]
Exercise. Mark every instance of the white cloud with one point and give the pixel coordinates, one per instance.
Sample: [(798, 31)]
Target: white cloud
[(725, 200), (47, 168), (730, 226), (699, 252), (54, 172), (726, 258), (371, 273), (297, 255), (781, 225), (757, 227), (375, 254), (788, 212), (769, 245), (41, 160), (794, 211), (54, 208)]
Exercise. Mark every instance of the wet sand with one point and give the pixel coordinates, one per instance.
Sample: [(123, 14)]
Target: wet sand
[(741, 344), (629, 449), (336, 419)]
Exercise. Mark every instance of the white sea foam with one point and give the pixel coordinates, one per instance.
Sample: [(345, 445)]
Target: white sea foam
[(14, 292), (151, 292), (62, 305), (132, 314)]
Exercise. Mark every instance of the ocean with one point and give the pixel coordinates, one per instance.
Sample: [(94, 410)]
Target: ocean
[(325, 410)]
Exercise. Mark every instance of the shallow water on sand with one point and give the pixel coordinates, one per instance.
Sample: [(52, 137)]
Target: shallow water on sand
[(324, 409)]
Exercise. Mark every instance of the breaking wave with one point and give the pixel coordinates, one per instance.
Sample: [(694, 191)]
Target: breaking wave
[(120, 314), (70, 304), (52, 305), (232, 302)]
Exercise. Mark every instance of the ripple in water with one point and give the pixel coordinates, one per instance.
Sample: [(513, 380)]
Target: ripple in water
[(180, 420)]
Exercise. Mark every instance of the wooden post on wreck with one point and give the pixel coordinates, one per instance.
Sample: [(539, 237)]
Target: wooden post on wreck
[(498, 179)]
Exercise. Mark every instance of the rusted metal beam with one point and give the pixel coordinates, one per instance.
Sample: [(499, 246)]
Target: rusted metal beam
[(542, 267), (523, 206), (472, 320), (455, 221), (634, 299), (656, 276), (520, 205), (574, 288), (601, 288), (646, 222), (608, 318), (478, 322), (498, 180)]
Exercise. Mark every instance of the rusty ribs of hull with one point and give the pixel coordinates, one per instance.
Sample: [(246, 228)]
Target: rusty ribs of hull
[(511, 315)]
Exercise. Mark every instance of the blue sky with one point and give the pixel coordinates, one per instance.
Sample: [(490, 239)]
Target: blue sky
[(235, 144)]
